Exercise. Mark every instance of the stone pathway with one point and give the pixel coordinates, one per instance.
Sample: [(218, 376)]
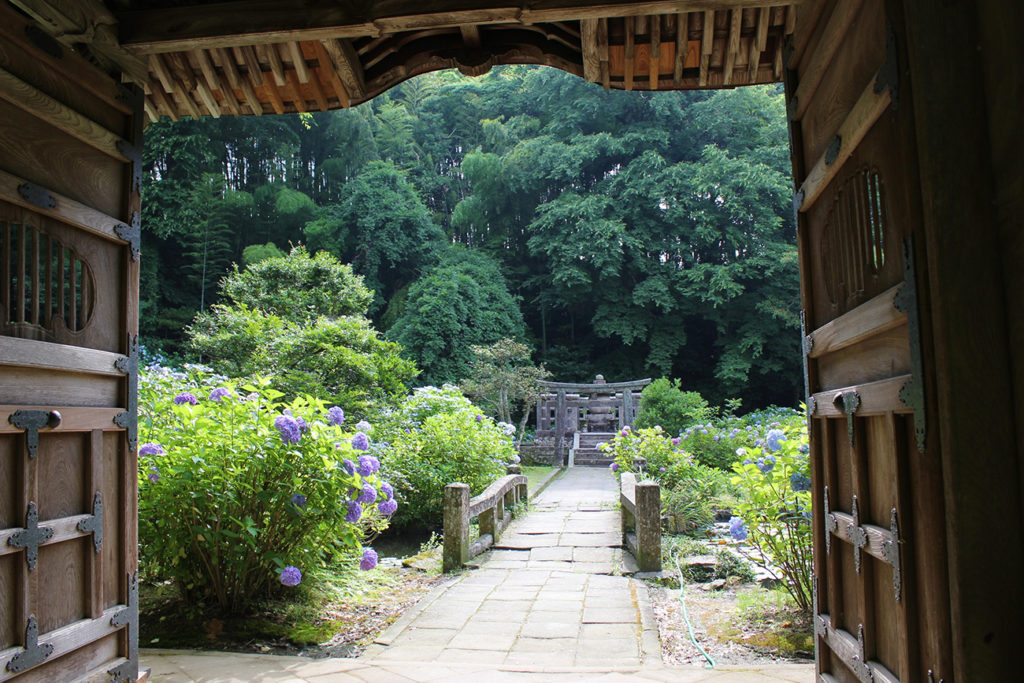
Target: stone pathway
[(548, 603), (544, 596)]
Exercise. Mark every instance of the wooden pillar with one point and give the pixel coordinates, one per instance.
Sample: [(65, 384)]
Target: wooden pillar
[(456, 527), (648, 526)]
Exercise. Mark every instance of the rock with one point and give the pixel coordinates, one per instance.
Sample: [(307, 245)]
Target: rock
[(699, 567), (717, 584)]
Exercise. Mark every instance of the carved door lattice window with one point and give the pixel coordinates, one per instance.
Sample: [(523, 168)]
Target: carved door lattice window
[(44, 281), (854, 244)]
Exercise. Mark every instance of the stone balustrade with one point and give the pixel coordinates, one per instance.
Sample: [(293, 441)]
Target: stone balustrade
[(641, 521), (493, 510)]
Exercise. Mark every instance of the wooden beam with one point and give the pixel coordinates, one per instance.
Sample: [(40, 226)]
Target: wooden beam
[(339, 88), (252, 64), (732, 48), (758, 44), (348, 65), (89, 22), (588, 46), (182, 72), (707, 46), (602, 53), (298, 61), (470, 35), (682, 48), (655, 60), (273, 21), (215, 82), (39, 104), (839, 22), (630, 52)]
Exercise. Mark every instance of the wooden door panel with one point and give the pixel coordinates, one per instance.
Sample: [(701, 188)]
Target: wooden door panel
[(879, 541), (69, 262)]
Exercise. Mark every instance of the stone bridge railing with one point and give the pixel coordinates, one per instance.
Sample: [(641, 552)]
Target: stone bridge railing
[(641, 521), (492, 507)]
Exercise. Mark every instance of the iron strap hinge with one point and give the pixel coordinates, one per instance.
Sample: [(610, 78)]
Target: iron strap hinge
[(31, 421)]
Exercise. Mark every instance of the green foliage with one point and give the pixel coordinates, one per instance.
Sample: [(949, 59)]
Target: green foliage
[(300, 316), (774, 481), (461, 303), (437, 437), (254, 253), (503, 379), (218, 512), (297, 287), (688, 488), (664, 403)]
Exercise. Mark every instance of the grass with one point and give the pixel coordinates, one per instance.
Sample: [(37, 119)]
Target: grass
[(768, 621), (535, 474)]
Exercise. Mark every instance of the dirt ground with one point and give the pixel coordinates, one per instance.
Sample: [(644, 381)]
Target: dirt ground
[(727, 633)]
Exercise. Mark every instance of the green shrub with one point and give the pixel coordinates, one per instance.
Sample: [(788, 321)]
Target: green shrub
[(235, 495), (775, 513), (664, 404), (437, 437)]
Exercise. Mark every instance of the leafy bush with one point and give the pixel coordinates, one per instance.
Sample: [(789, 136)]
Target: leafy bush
[(240, 495), (688, 488), (435, 438), (714, 443), (775, 514), (664, 404)]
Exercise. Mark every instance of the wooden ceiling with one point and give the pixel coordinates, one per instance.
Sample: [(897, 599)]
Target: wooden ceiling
[(244, 57)]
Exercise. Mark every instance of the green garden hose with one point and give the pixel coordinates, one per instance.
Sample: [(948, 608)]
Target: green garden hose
[(686, 617)]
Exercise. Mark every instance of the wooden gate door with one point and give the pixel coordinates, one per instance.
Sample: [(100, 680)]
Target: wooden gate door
[(881, 587), (69, 200)]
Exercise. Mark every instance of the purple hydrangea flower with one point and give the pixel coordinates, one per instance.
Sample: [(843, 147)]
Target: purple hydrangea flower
[(291, 576), (154, 475), (355, 511), (303, 425), (387, 491), (288, 428), (479, 418), (151, 449), (368, 464), (676, 441), (737, 529), (766, 464), (799, 482), (299, 501), (363, 426), (661, 469), (804, 448), (186, 397), (369, 560), (625, 431), (614, 467), (335, 416), (219, 393), (388, 507), (348, 466), (773, 438), (367, 495), (361, 442)]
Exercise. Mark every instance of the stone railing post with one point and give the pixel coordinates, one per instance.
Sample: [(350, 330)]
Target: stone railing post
[(456, 527), (648, 526)]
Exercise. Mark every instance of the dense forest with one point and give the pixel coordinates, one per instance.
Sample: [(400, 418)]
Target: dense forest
[(631, 234)]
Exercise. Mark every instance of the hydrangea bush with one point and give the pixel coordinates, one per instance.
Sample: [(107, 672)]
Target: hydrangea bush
[(714, 442), (775, 513), (240, 496)]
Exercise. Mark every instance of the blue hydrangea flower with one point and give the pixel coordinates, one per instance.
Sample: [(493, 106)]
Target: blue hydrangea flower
[(335, 415), (303, 425), (348, 466), (799, 482), (766, 464), (773, 439), (368, 464), (288, 428), (737, 529), (369, 560), (804, 448), (151, 449), (186, 397), (364, 426), (219, 393), (154, 475), (291, 576), (388, 507), (361, 442), (367, 495), (387, 491), (675, 441), (355, 511), (299, 501)]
